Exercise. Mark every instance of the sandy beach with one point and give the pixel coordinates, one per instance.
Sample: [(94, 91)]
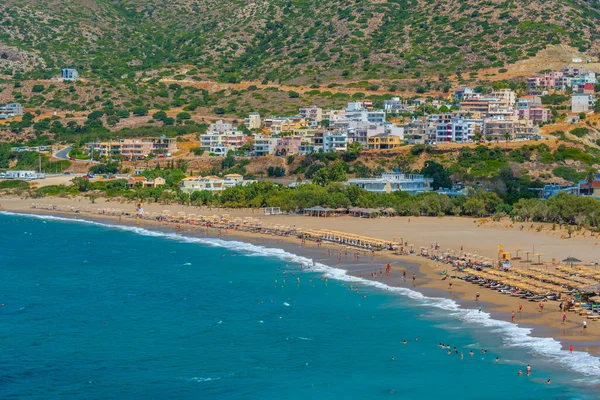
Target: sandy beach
[(475, 236)]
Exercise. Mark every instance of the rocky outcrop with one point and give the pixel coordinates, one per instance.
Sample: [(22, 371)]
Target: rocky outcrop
[(16, 59)]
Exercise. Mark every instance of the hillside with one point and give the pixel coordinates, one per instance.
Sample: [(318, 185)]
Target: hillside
[(294, 41)]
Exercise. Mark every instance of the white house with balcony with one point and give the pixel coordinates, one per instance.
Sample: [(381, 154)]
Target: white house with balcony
[(253, 121), (264, 146), (212, 183), (219, 143), (392, 182)]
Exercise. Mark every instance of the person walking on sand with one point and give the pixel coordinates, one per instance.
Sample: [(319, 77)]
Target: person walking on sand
[(584, 325), (541, 306), (513, 316), (414, 278), (388, 269), (570, 348), (477, 296), (520, 308), (564, 318)]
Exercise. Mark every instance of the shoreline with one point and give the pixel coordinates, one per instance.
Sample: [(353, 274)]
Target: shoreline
[(429, 281)]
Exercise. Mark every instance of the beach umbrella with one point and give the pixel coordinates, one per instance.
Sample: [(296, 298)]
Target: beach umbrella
[(517, 250), (571, 260)]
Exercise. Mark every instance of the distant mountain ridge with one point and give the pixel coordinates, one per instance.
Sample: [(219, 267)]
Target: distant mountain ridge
[(299, 41)]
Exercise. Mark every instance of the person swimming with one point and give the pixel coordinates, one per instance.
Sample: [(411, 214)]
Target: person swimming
[(471, 353), (404, 341)]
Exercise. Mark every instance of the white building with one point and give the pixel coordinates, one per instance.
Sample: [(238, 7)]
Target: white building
[(581, 102), (459, 130), (329, 141), (220, 143), (392, 182), (312, 112), (220, 126), (69, 74), (27, 175), (393, 105), (334, 115), (10, 110), (253, 121), (212, 183), (264, 146), (506, 96)]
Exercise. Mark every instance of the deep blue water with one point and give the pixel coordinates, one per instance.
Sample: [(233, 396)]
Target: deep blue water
[(92, 311)]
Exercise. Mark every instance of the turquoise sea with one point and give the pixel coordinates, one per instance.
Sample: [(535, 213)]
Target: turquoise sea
[(94, 311)]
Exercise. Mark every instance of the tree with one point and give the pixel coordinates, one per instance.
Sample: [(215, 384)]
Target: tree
[(475, 207), (140, 111), (37, 88), (293, 95), (159, 116), (184, 115), (82, 184), (228, 162), (439, 174)]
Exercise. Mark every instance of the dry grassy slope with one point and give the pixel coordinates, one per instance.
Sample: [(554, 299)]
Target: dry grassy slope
[(296, 41)]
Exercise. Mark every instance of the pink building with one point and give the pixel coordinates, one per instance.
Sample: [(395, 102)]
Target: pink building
[(534, 113), (288, 145)]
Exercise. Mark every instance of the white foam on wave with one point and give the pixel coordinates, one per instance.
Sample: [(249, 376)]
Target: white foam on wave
[(200, 379), (512, 335)]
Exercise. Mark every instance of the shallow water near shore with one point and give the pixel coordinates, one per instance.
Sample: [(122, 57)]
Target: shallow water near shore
[(99, 311)]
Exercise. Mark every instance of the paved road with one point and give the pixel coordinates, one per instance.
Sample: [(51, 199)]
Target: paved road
[(63, 153)]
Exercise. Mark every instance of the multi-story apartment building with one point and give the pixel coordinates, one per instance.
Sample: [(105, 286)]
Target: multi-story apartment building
[(220, 126), (505, 96), (220, 143), (416, 132), (393, 105), (581, 102), (330, 141), (480, 105), (10, 110), (264, 146), (253, 121), (384, 141), (534, 113), (459, 130), (288, 145), (133, 149), (508, 128), (312, 112)]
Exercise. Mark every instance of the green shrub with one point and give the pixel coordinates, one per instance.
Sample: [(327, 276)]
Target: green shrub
[(14, 184), (579, 132), (568, 173)]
